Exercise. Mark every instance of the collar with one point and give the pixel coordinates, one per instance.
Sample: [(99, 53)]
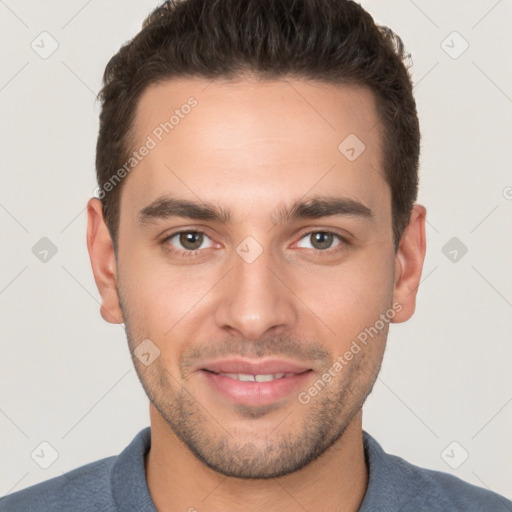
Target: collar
[(129, 485), (381, 492)]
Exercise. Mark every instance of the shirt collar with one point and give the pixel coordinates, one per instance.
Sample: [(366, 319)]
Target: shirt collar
[(129, 485), (381, 492)]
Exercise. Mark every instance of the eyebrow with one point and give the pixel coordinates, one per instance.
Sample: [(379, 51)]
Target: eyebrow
[(313, 208)]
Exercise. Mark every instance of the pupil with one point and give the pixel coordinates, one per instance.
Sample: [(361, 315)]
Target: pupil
[(191, 240), (322, 240)]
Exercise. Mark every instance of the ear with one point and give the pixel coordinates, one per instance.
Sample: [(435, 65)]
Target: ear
[(409, 264), (101, 253)]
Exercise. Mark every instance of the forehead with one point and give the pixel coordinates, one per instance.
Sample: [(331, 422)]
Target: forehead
[(248, 141)]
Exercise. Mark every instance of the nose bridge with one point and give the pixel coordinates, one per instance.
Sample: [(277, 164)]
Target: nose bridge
[(252, 299)]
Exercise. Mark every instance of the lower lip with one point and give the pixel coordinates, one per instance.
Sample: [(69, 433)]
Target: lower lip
[(256, 393)]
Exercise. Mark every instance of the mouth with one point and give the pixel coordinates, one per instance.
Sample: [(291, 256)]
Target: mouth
[(250, 383), (261, 377)]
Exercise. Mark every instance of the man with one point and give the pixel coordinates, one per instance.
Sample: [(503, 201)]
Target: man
[(255, 221)]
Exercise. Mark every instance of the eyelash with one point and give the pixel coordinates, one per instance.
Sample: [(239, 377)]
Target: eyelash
[(181, 252), (191, 254)]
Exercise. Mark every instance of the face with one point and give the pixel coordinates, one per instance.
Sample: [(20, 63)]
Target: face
[(256, 256)]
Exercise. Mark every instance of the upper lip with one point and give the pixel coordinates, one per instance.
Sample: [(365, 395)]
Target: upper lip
[(251, 367)]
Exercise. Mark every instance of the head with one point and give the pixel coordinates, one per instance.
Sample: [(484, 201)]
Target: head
[(257, 164)]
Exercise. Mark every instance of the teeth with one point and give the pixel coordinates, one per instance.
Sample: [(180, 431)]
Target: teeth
[(245, 377), (266, 378)]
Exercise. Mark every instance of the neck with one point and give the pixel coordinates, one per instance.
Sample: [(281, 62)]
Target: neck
[(177, 480)]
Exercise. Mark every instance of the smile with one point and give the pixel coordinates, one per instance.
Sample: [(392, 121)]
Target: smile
[(254, 389), (262, 377)]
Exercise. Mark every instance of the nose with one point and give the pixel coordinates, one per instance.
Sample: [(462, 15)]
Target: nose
[(255, 298)]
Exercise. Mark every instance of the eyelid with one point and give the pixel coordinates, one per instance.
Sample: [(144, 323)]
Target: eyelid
[(203, 231), (343, 240), (173, 234), (187, 229)]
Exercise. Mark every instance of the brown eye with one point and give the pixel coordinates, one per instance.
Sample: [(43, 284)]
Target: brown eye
[(191, 240), (321, 240), (188, 242)]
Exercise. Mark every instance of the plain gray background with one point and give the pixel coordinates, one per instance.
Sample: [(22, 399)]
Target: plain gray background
[(67, 379)]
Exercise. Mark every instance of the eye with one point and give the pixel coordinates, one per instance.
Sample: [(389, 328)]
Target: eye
[(321, 240), (189, 240)]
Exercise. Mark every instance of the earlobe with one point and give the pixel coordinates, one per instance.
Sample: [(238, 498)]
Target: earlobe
[(409, 264), (103, 262)]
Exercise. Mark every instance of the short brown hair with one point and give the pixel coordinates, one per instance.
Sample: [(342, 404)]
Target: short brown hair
[(334, 41)]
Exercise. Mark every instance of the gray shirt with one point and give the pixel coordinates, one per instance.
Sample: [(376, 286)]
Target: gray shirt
[(118, 483)]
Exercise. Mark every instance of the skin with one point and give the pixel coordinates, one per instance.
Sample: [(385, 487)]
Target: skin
[(254, 147)]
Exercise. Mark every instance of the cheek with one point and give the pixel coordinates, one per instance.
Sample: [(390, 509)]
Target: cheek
[(164, 299), (349, 297), (159, 295)]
